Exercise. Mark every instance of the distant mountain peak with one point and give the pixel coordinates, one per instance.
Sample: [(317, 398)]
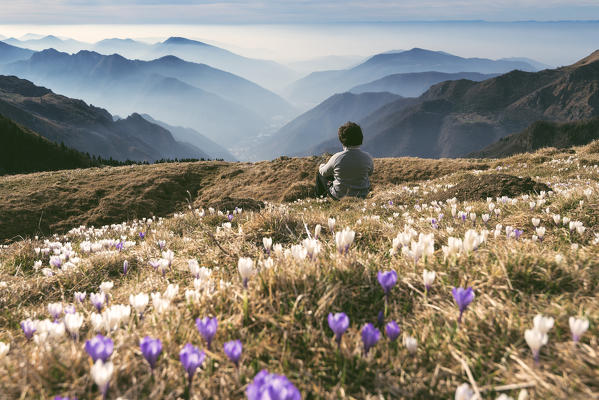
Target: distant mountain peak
[(181, 40)]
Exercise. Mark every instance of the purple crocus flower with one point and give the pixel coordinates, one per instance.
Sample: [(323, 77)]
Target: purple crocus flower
[(29, 328), (230, 217), (518, 233), (380, 320), (272, 387), (207, 327), (387, 280), (154, 264), (370, 335), (463, 297), (233, 350), (99, 348), (151, 349), (125, 267), (120, 246), (98, 300), (338, 323), (392, 330), (434, 223), (142, 235), (191, 358)]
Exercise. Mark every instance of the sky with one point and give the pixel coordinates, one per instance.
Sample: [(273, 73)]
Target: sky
[(287, 11)]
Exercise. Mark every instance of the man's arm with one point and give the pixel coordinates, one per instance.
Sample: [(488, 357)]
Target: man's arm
[(327, 170)]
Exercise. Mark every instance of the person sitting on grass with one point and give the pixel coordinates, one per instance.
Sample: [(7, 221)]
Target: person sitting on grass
[(347, 172)]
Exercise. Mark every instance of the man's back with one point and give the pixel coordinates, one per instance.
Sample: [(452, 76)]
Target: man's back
[(350, 170)]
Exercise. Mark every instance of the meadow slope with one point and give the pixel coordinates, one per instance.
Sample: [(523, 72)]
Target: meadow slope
[(422, 214)]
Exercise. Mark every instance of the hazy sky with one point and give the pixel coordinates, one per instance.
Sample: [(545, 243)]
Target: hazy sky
[(285, 11)]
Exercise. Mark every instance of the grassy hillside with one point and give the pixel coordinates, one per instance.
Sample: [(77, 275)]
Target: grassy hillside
[(281, 318), (57, 201), (543, 134), (24, 151)]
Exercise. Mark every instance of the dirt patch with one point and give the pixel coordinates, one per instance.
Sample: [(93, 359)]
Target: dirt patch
[(479, 187)]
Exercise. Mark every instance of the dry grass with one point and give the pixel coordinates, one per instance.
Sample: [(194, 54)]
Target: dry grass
[(284, 326)]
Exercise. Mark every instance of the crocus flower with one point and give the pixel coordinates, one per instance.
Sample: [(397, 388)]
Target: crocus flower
[(272, 386), (142, 235), (535, 340), (246, 269), (344, 239), (125, 267), (387, 280), (267, 242), (392, 330), (207, 328), (463, 392), (233, 350), (101, 373), (411, 344), (55, 309), (120, 246), (191, 358), (72, 323), (99, 348), (154, 263), (463, 297), (578, 326), (338, 323), (151, 349), (4, 347), (428, 277), (98, 300), (230, 217), (79, 296), (29, 328), (370, 336), (542, 324)]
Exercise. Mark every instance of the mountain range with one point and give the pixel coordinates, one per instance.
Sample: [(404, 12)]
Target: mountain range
[(456, 118), (416, 83), (87, 128), (264, 72), (320, 85), (10, 53), (223, 106)]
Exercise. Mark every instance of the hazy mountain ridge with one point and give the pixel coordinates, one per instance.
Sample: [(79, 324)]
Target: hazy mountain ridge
[(322, 122), (416, 83), (320, 85), (87, 128), (264, 72), (9, 53), (172, 90), (192, 136)]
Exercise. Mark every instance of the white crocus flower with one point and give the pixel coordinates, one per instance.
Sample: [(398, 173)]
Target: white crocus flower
[(578, 326), (535, 340), (194, 267), (267, 242), (171, 291), (463, 392), (543, 324), (536, 221), (317, 230), (556, 218), (139, 302), (331, 223), (105, 287), (299, 252), (4, 348), (344, 239), (411, 344), (246, 269), (101, 373), (428, 277), (73, 323)]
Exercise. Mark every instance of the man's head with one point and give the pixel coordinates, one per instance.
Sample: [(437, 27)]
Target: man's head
[(350, 134)]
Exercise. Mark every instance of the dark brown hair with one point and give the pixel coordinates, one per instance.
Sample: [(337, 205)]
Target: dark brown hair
[(350, 134)]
